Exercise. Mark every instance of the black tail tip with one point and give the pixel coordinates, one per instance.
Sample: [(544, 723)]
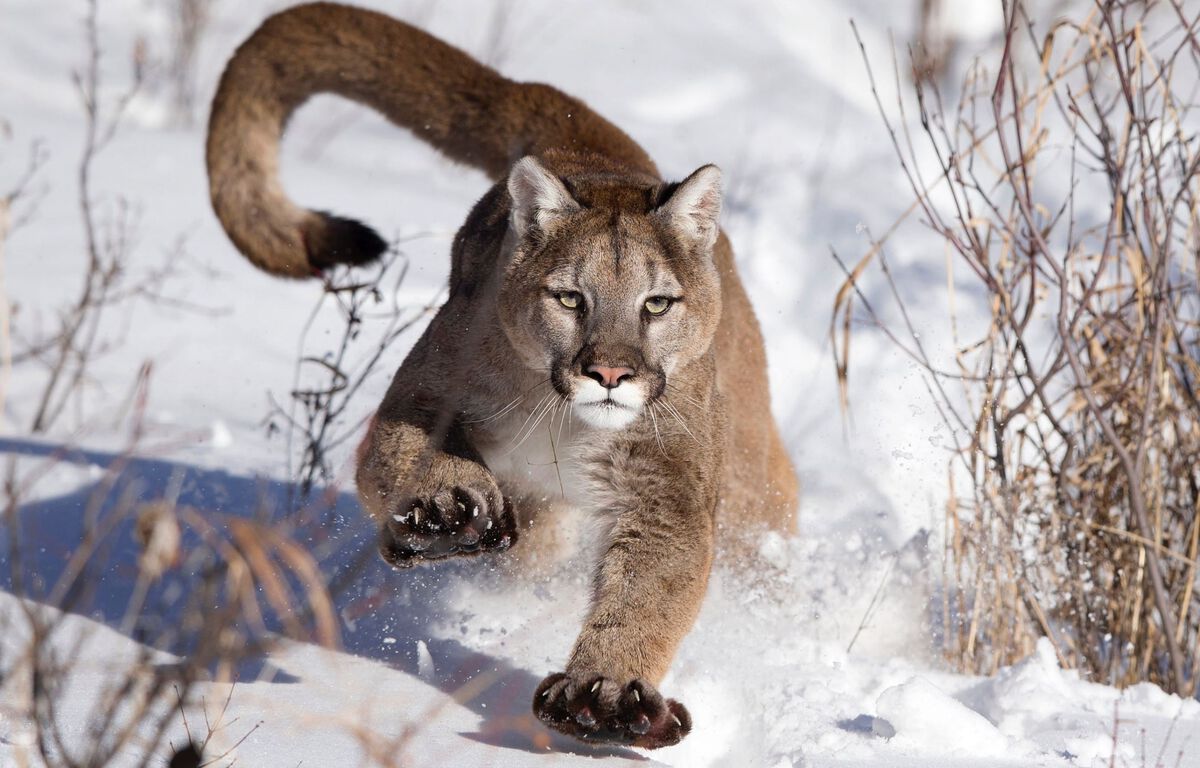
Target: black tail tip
[(331, 240)]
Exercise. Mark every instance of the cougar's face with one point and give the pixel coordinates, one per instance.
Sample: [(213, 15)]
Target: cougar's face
[(609, 299)]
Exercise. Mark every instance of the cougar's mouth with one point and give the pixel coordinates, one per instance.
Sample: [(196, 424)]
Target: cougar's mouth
[(608, 405), (608, 408)]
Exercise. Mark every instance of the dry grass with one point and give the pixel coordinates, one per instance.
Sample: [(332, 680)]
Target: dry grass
[(240, 584), (1064, 186)]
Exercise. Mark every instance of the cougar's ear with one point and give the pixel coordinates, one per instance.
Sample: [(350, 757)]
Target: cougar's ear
[(693, 207), (538, 197)]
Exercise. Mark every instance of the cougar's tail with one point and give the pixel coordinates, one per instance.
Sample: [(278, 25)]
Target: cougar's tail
[(466, 110)]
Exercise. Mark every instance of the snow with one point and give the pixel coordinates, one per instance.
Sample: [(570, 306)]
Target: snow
[(824, 656), (924, 716)]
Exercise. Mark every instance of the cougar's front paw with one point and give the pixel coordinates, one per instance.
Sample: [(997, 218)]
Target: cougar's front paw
[(602, 709), (462, 520)]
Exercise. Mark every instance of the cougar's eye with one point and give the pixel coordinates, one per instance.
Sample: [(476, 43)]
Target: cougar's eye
[(569, 299), (656, 305)]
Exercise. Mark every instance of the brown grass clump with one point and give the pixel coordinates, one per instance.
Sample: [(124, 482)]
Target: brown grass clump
[(1065, 187), (239, 585)]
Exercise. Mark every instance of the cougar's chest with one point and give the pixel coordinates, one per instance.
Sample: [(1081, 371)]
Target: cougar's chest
[(544, 462)]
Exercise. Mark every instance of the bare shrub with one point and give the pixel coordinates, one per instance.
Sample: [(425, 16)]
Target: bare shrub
[(189, 23), (213, 589), (77, 336), (66, 351), (315, 420), (10, 219), (1067, 196), (933, 47)]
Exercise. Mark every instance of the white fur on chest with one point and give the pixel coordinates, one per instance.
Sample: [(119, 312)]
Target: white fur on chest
[(547, 464)]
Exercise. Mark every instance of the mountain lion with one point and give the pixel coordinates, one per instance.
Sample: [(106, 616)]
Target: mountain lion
[(583, 289)]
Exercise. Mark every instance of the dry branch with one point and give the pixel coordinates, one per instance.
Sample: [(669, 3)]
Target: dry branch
[(1069, 191)]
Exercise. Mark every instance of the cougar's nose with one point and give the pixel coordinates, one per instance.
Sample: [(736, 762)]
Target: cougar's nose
[(609, 378)]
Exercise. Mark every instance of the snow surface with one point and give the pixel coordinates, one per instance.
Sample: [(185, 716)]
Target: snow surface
[(788, 667)]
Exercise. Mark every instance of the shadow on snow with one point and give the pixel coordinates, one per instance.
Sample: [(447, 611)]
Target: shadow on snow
[(367, 594)]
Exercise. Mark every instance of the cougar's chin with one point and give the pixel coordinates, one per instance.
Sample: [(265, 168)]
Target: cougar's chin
[(603, 408)]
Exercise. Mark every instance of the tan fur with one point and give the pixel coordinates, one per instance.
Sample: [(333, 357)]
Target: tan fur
[(474, 432)]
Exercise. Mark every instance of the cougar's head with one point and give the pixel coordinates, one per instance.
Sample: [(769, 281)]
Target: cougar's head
[(611, 288)]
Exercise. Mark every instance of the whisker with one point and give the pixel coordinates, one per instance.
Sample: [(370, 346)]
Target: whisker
[(671, 409), (541, 412), (535, 409), (549, 409), (499, 413), (510, 406), (554, 413), (657, 436), (561, 405), (566, 411), (682, 395)]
